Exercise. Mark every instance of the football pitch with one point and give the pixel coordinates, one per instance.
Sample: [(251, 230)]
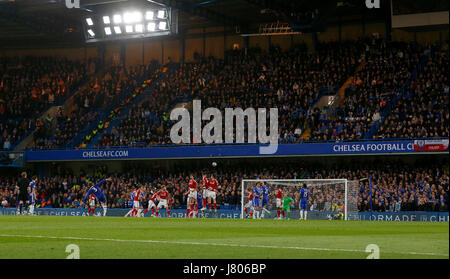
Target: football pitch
[(46, 237)]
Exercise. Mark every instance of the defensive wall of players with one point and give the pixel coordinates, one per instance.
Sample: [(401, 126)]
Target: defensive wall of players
[(249, 150), (236, 214)]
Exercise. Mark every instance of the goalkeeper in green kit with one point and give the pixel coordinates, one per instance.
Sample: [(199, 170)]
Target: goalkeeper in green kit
[(287, 206)]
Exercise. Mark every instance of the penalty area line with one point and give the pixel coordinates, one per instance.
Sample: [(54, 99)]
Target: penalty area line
[(218, 244)]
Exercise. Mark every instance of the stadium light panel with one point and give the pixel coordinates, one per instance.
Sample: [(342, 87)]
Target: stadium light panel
[(137, 16), (127, 17), (132, 17), (139, 28), (129, 28), (162, 25), (149, 15), (106, 20), (89, 21), (151, 26), (161, 14), (117, 19), (117, 30), (131, 23)]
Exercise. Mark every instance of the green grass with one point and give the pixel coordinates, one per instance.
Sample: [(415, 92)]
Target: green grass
[(171, 238)]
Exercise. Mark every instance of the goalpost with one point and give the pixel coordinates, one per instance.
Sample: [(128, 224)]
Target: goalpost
[(327, 198)]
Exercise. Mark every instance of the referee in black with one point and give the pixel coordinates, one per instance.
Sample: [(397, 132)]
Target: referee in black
[(22, 184)]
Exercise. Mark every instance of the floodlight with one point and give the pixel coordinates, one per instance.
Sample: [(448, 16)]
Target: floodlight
[(89, 21), (137, 17), (117, 19), (117, 30), (162, 25), (130, 17), (129, 28), (108, 31), (91, 33), (106, 20), (139, 28), (149, 15), (127, 17), (151, 26), (161, 14)]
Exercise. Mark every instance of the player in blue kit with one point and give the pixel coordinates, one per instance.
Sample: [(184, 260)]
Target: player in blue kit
[(32, 195), (200, 203), (265, 191), (97, 192), (257, 200), (303, 202)]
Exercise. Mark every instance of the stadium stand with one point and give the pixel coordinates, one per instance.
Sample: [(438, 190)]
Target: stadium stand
[(28, 86), (387, 68), (254, 79), (385, 77), (293, 81), (422, 112), (93, 102)]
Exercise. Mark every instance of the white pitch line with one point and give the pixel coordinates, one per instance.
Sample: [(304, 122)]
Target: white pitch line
[(216, 244)]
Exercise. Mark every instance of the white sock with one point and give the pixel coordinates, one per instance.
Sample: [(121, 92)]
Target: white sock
[(128, 213), (104, 210), (301, 213), (306, 214), (31, 209), (139, 212), (262, 213)]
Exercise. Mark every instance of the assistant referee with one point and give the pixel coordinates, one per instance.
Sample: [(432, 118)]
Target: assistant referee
[(22, 184)]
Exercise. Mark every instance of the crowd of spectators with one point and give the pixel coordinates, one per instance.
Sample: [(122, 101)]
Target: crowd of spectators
[(386, 67), (290, 81), (28, 86), (422, 112), (395, 187), (106, 91), (148, 122), (58, 132)]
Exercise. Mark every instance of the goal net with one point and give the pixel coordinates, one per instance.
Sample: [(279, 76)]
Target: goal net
[(328, 199)]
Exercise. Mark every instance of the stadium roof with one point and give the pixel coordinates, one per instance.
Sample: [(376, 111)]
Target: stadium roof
[(48, 23)]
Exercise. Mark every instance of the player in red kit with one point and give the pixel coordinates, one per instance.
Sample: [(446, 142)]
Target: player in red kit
[(212, 192), (249, 204), (91, 205), (205, 182), (151, 205), (192, 205), (137, 208), (163, 197), (279, 202), (137, 202)]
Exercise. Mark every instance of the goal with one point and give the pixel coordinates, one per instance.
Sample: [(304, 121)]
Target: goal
[(327, 199)]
